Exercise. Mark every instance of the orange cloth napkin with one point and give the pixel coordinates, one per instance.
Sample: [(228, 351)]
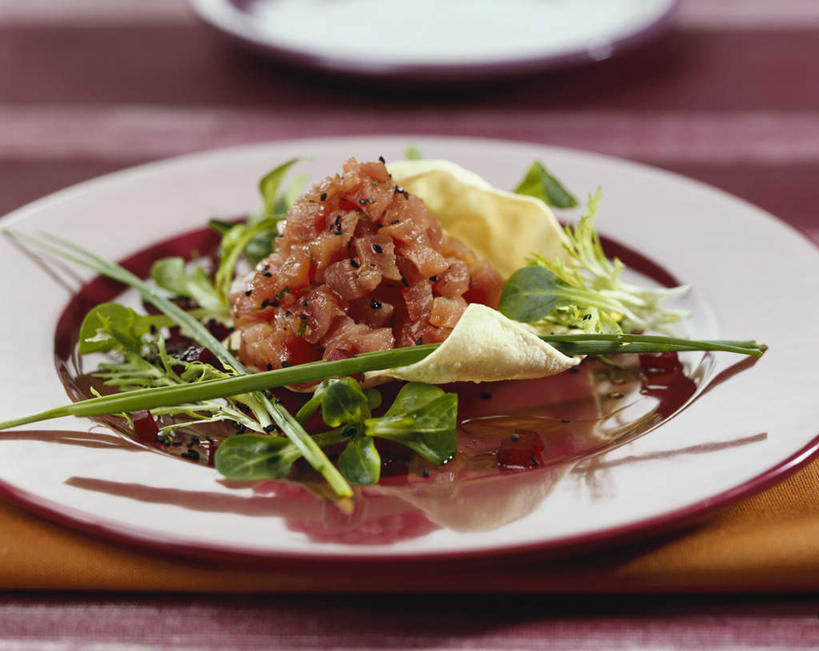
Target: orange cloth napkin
[(768, 542)]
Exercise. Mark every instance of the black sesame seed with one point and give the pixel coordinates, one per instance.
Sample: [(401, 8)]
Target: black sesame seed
[(193, 455), (433, 279), (286, 364), (354, 264), (516, 437), (269, 366), (267, 274), (363, 202), (377, 248), (381, 158), (486, 395), (376, 305), (265, 303), (425, 472), (270, 428), (248, 292), (404, 281), (565, 420), (419, 341), (323, 196), (395, 221)]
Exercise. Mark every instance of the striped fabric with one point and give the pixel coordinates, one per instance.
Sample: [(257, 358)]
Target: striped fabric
[(728, 96)]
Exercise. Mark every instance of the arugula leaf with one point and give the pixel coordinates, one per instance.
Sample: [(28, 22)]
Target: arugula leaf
[(539, 183), (173, 275), (220, 225), (111, 326), (261, 244), (256, 237), (360, 462), (270, 183), (423, 418), (235, 242), (248, 457)]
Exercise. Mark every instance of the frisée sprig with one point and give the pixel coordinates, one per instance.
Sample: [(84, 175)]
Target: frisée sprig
[(587, 293), (144, 363)]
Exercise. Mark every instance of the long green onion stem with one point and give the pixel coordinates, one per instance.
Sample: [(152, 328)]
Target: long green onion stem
[(581, 344)]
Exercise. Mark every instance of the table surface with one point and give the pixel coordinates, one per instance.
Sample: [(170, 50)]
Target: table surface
[(728, 95)]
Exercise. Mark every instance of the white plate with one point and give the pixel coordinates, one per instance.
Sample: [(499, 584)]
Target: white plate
[(753, 277), (432, 40)]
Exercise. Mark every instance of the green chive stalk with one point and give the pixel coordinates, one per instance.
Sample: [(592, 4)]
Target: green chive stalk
[(574, 344)]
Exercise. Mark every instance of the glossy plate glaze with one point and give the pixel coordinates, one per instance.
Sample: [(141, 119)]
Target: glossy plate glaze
[(428, 40), (743, 425)]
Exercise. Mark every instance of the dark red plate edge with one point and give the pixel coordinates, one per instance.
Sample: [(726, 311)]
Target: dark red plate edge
[(433, 73)]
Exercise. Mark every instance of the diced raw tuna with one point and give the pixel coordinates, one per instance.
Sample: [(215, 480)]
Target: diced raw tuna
[(454, 281), (446, 311), (360, 266), (418, 299)]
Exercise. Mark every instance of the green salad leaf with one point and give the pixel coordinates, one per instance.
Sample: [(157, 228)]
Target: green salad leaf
[(255, 237), (360, 462), (413, 153), (423, 418), (249, 457), (173, 275), (269, 187), (341, 400), (539, 183), (111, 326)]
